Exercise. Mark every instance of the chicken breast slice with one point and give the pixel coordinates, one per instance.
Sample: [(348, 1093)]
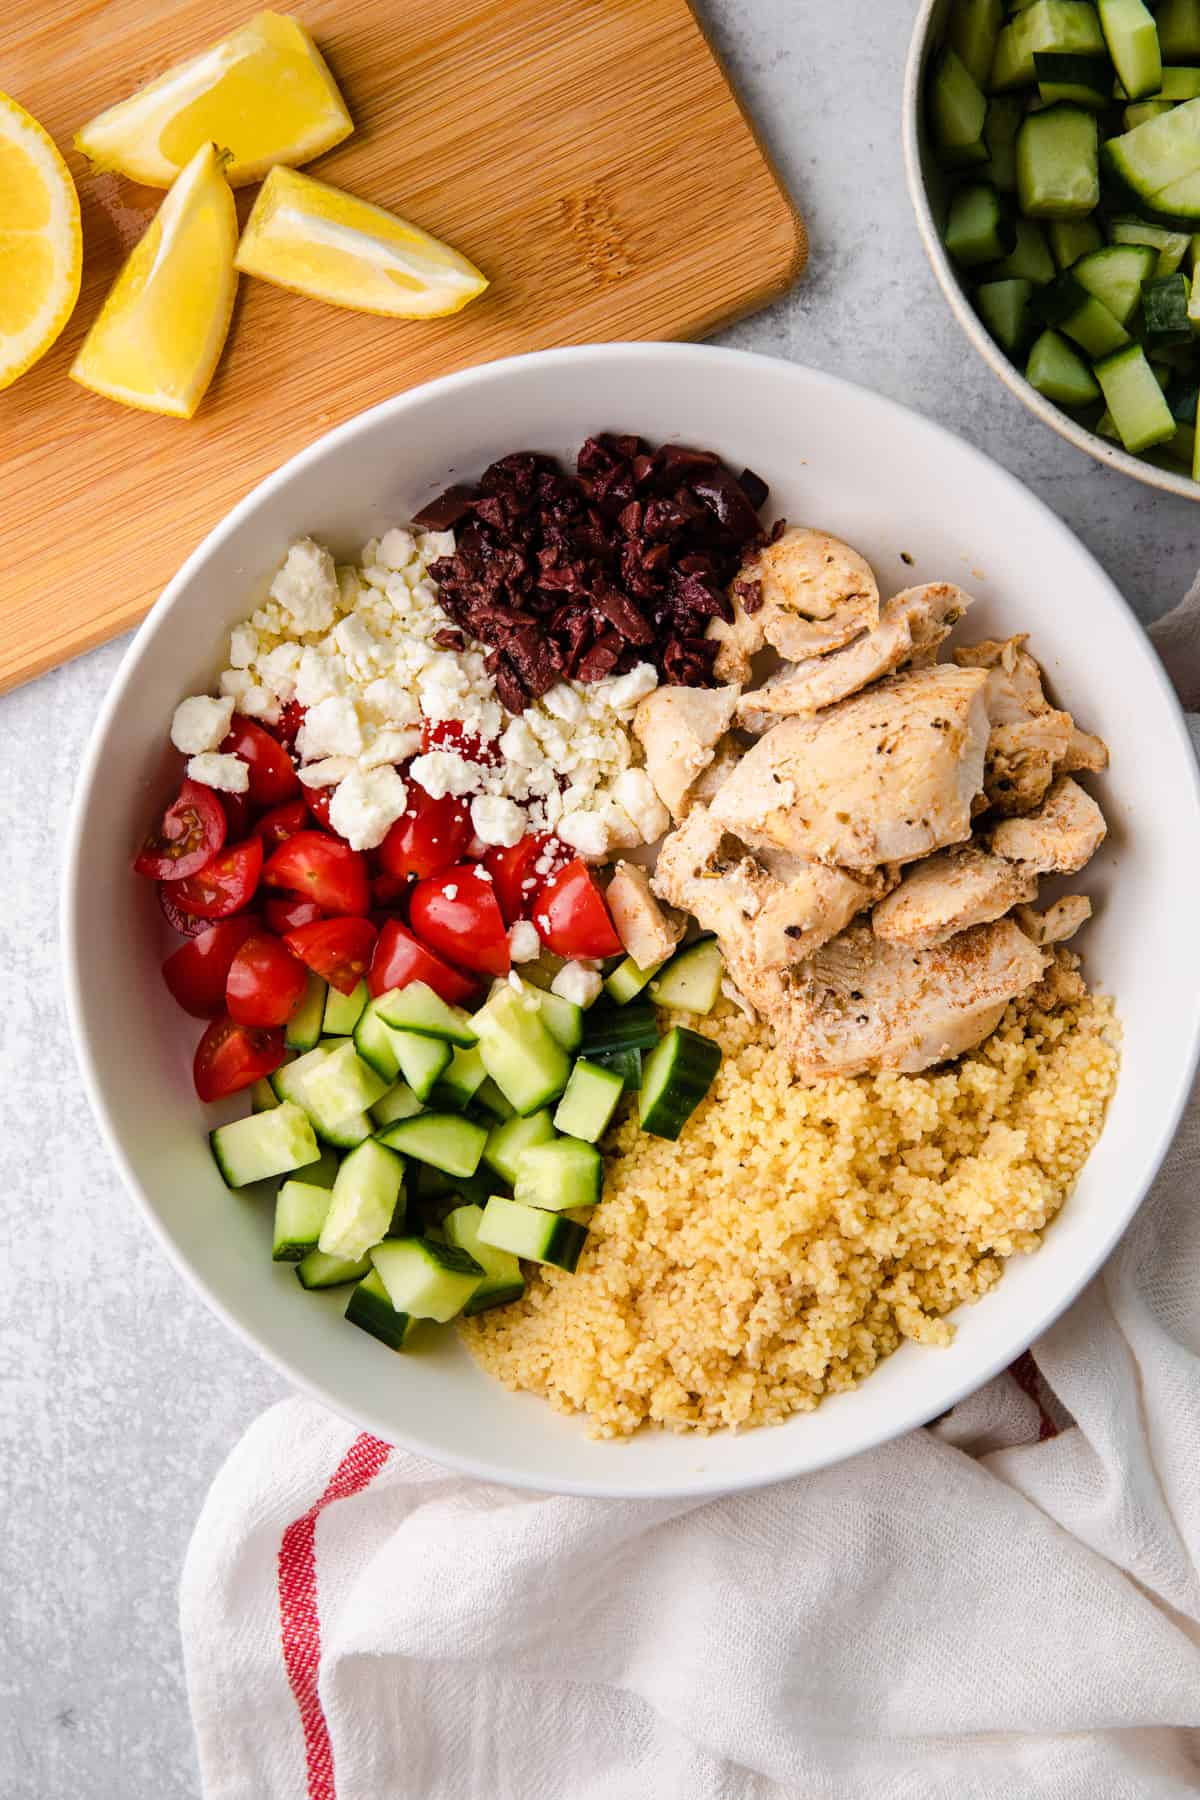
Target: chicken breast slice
[(1060, 837), (886, 776), (815, 592), (910, 623), (726, 757), (679, 729), (948, 893), (1031, 741), (648, 935), (861, 1005), (1057, 923)]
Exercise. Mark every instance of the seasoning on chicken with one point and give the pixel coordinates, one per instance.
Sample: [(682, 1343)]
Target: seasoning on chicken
[(679, 729), (640, 922), (813, 594), (949, 892), (1030, 741), (1060, 837), (1058, 922), (886, 776)]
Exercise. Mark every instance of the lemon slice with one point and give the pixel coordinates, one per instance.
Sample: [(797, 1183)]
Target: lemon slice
[(317, 240), (156, 341), (263, 93), (41, 249)]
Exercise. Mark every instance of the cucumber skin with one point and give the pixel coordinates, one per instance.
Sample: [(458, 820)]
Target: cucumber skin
[(665, 1112)]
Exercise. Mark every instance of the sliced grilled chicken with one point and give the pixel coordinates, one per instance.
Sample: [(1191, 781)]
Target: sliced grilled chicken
[(648, 935), (1031, 742), (1060, 837), (726, 757), (948, 893), (1056, 923), (911, 623), (886, 776), (815, 593), (679, 729)]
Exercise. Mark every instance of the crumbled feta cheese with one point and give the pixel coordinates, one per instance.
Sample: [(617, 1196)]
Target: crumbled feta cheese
[(634, 791), (243, 646), (257, 703), (389, 746), (200, 724), (562, 702), (326, 773), (317, 678), (395, 549), (436, 544), (235, 684), (393, 699), (622, 692), (227, 773), (574, 982), (497, 820), (524, 944), (366, 805), (330, 728), (585, 832), (354, 641), (623, 834), (442, 772), (306, 587), (451, 892), (277, 670), (519, 745)]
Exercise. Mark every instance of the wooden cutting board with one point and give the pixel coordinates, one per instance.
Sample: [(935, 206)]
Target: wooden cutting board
[(587, 154)]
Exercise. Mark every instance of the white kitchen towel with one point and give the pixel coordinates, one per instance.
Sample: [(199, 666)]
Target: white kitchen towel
[(1004, 1606)]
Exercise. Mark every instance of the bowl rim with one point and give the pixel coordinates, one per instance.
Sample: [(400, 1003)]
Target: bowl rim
[(1112, 455), (364, 1417)]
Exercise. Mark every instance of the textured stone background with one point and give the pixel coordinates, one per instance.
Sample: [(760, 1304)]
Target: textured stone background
[(119, 1394)]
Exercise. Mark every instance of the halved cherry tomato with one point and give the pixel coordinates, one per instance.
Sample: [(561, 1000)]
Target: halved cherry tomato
[(317, 801), (387, 892), (429, 836), (339, 950), (273, 776), (458, 915), (288, 912), (287, 727), (188, 835), (281, 823), (196, 973), (323, 870), (226, 884), (186, 923), (237, 816), (452, 734), (265, 984), (571, 914), (399, 959), (515, 874), (230, 1057)]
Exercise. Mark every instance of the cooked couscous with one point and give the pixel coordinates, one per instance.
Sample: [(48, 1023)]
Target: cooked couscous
[(795, 1234)]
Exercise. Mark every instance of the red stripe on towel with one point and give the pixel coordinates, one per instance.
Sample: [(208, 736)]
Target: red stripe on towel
[(299, 1619)]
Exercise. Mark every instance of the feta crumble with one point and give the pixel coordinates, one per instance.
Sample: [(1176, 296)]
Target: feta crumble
[(574, 982), (497, 820), (201, 724), (365, 806), (229, 774), (524, 944)]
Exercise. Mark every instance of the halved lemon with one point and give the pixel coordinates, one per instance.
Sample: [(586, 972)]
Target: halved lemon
[(315, 239), (159, 333), (41, 247), (263, 93)]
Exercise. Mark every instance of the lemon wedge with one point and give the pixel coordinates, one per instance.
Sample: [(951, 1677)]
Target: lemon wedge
[(159, 333), (41, 248), (263, 93), (317, 240)]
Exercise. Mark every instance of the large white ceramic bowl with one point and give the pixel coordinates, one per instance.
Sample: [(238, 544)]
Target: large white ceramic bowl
[(896, 486), (926, 187)]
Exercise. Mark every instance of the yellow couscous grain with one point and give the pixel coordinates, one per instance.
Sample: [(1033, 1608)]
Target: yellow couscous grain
[(794, 1235)]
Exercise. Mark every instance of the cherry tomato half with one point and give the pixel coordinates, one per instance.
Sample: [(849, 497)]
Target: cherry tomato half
[(399, 959), (287, 727), (317, 801), (230, 1057), (188, 835), (452, 734), (185, 923), (429, 836), (281, 823), (265, 984), (339, 950), (323, 870), (387, 892), (457, 914), (571, 914), (273, 776), (226, 884), (516, 876), (236, 808), (196, 973), (288, 912)]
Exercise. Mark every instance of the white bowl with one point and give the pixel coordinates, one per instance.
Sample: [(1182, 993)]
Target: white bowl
[(925, 182), (891, 483)]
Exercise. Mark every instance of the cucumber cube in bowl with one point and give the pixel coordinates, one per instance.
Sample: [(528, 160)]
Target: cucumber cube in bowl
[(1070, 239), (1058, 163), (1004, 308), (502, 1281), (1068, 307), (1081, 77), (300, 1212), (979, 228), (973, 28), (1114, 275), (1030, 259), (559, 1177), (536, 1236), (265, 1144), (1134, 398), (1165, 311), (426, 1279), (367, 1195), (370, 1307), (1060, 373), (1132, 39), (957, 111)]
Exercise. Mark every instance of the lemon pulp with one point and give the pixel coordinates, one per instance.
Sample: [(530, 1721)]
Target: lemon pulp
[(40, 242)]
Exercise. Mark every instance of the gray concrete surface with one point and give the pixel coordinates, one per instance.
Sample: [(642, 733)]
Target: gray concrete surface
[(119, 1394)]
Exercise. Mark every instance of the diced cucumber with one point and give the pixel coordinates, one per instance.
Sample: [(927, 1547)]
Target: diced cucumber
[(1058, 163), (320, 1271), (1178, 26), (1182, 392), (523, 1058), (300, 1212), (1029, 261), (493, 1101), (425, 1279), (1069, 308), (1134, 398), (1179, 449), (563, 1019), (1060, 373), (464, 1076), (1178, 203), (1132, 39), (957, 110), (971, 32), (398, 1103), (303, 1029), (591, 1098), (446, 1140), (1165, 316), (265, 1144), (1004, 308), (625, 1063), (323, 1173), (502, 1281), (263, 1097), (1180, 84), (559, 1177), (1140, 111), (675, 1079), (1000, 129), (527, 1232), (627, 981), (979, 227), (1171, 246), (1115, 276), (1159, 154), (366, 1197), (289, 1081), (691, 981), (506, 1142), (1012, 64), (633, 1027), (343, 1011), (370, 1306), (373, 1041), (417, 1008), (422, 1060), (1062, 26), (1072, 238), (344, 1134), (1079, 77), (343, 1084)]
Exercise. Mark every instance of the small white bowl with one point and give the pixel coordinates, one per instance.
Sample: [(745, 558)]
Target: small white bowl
[(923, 177), (891, 483)]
